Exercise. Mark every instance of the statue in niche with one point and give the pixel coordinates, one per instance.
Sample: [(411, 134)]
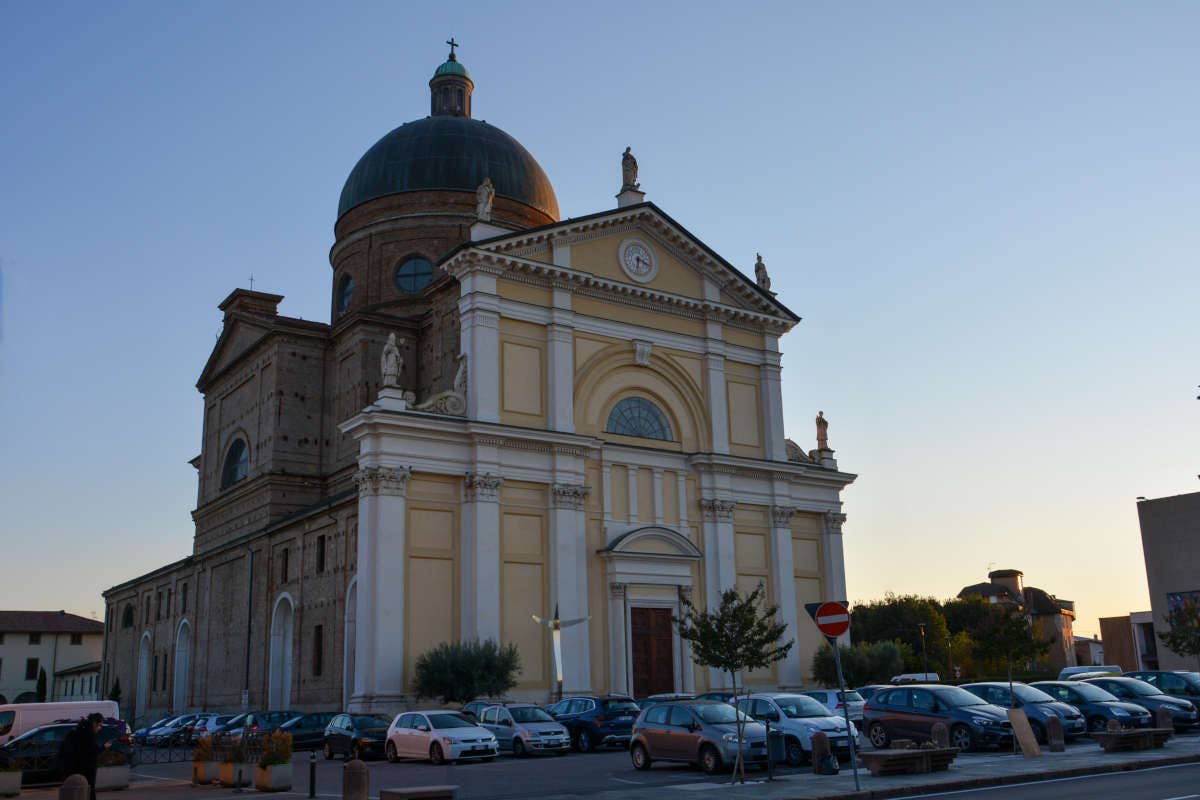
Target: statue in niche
[(484, 195), (822, 431), (760, 273), (629, 171), (392, 362)]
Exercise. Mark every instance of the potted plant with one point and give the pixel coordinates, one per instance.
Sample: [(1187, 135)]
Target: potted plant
[(112, 770), (10, 781), (234, 769), (274, 772), (204, 762)]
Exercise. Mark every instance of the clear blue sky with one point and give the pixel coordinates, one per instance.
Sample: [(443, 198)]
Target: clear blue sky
[(985, 213)]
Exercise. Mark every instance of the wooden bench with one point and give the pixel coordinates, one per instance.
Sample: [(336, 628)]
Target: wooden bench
[(908, 761), (1134, 739)]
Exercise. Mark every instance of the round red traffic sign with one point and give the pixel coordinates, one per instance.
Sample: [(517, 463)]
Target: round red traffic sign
[(833, 619)]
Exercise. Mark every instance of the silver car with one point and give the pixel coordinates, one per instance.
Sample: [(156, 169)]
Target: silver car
[(524, 728), (799, 717), (700, 732), (837, 702)]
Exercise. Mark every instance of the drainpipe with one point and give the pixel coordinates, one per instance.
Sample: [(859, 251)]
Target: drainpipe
[(249, 620)]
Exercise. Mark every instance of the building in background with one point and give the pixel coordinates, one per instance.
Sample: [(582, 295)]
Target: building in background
[(1089, 651), (1171, 548), (1051, 618), (54, 641), (1129, 641)]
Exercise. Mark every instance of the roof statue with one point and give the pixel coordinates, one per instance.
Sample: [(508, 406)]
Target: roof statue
[(760, 273), (391, 362), (484, 196), (822, 431), (629, 171)]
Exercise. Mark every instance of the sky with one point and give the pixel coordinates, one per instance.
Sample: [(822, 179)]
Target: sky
[(984, 212)]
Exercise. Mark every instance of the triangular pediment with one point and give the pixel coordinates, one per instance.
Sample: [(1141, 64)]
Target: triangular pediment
[(238, 337)]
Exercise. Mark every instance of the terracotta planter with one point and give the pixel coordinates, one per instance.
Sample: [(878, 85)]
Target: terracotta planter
[(230, 771), (205, 772), (10, 784), (275, 778), (111, 778)]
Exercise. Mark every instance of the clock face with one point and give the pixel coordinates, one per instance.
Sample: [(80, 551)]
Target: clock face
[(637, 261)]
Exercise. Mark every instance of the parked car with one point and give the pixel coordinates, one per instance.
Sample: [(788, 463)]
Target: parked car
[(35, 752), (1038, 706), (308, 730), (474, 708), (209, 724), (909, 712), (703, 732), (1069, 673), (799, 716), (176, 732), (256, 723), (915, 677), (139, 735), (724, 697), (867, 692), (17, 718), (440, 736), (359, 736), (1177, 683), (1096, 705), (665, 697), (1151, 698), (837, 701), (596, 720), (525, 728)]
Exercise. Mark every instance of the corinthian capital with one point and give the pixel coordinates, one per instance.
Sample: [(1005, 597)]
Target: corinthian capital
[(834, 522), (714, 510), (569, 495), (782, 515), (485, 487), (382, 480)]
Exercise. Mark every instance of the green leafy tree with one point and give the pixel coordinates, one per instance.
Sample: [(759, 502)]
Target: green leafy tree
[(1006, 636), (869, 662), (899, 618), (1183, 635), (965, 613), (115, 693), (741, 634), (458, 672)]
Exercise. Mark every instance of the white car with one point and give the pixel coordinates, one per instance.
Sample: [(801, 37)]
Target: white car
[(799, 717), (439, 736), (837, 701)]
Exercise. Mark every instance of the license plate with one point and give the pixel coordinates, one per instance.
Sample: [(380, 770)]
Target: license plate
[(478, 748), (624, 719)]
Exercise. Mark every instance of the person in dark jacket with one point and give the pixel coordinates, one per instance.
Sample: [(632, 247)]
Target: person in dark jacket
[(80, 750)]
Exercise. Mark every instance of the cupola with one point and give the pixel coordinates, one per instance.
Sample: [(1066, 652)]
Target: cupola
[(450, 88)]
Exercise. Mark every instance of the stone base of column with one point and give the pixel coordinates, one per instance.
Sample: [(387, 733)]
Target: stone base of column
[(378, 703)]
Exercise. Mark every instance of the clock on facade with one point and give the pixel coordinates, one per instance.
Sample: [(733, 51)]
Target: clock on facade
[(637, 259)]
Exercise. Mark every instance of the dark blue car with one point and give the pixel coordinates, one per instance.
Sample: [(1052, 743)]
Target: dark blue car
[(910, 712), (1096, 705), (1038, 706), (596, 720), (1151, 698)]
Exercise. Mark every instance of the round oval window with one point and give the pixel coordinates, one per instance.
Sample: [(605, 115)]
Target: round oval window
[(413, 275)]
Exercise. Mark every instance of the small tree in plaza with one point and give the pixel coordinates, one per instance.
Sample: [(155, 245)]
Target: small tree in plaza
[(1183, 637), (740, 634), (458, 672)]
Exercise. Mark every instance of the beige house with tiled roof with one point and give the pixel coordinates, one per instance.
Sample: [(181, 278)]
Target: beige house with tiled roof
[(62, 644)]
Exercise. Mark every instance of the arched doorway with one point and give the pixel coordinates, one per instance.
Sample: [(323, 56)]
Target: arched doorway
[(142, 692), (279, 692), (183, 656), (351, 642)]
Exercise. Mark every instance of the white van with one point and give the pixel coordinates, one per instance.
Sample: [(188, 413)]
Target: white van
[(18, 718), (1106, 669), (916, 677)]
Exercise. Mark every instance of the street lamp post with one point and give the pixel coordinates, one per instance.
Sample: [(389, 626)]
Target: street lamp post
[(924, 657)]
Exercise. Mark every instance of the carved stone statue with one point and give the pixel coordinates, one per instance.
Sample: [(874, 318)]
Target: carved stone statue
[(822, 431), (629, 171), (484, 196), (392, 362), (760, 273)]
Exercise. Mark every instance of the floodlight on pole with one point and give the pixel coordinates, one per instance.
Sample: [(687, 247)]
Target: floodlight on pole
[(556, 625)]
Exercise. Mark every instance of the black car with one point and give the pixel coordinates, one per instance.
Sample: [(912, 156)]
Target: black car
[(1177, 683), (596, 720), (308, 731), (35, 752), (360, 736), (910, 712), (1151, 698), (255, 724), (1096, 705), (139, 736)]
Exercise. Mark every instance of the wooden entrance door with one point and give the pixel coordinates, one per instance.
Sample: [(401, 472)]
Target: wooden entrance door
[(653, 661)]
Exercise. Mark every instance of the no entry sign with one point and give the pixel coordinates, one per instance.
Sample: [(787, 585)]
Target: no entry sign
[(833, 619)]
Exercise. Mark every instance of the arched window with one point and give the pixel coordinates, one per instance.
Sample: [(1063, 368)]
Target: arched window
[(637, 416), (127, 618), (413, 274), (344, 293), (237, 462)]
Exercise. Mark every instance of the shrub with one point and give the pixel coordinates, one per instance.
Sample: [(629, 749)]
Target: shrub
[(277, 749), (112, 758), (204, 749), (458, 672)]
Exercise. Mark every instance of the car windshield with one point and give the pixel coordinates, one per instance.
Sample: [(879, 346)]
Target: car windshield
[(1191, 678), (796, 706), (850, 697), (529, 714), (238, 720), (955, 697), (616, 706), (443, 721), (1140, 688), (369, 721), (1028, 694), (1093, 694), (719, 713)]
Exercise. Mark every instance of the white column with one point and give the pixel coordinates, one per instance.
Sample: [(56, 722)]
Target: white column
[(480, 337), (379, 650), (617, 634), (606, 481), (783, 575), (681, 491), (480, 555), (568, 549), (833, 565), (719, 564), (717, 402), (658, 496), (772, 411), (685, 651), (561, 359), (632, 471)]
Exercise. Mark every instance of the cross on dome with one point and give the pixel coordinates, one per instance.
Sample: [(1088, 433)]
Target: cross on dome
[(453, 44)]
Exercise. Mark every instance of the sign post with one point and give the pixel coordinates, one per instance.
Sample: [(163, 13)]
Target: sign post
[(833, 619)]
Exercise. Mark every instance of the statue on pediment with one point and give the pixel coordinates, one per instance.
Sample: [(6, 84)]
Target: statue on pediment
[(391, 363), (760, 273), (484, 196), (822, 431), (629, 171)]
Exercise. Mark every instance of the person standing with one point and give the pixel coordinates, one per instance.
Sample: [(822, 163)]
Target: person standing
[(80, 750)]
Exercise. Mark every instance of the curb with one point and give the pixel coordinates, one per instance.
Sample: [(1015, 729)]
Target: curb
[(1003, 780)]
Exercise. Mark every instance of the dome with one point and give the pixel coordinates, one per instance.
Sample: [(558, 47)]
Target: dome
[(452, 67), (450, 153)]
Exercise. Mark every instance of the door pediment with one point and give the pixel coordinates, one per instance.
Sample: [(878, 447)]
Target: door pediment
[(653, 542)]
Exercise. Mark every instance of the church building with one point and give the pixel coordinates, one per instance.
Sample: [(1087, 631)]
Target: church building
[(507, 414)]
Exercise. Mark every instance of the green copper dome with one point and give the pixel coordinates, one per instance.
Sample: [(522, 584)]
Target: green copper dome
[(452, 67), (448, 152)]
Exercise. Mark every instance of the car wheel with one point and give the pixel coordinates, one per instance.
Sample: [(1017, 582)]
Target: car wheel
[(1039, 731), (1097, 724), (710, 760), (436, 756), (878, 735), (390, 751), (794, 752), (518, 748), (328, 752), (641, 759), (960, 737), (586, 743)]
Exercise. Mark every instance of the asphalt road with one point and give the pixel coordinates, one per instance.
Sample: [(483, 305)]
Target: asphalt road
[(1156, 783)]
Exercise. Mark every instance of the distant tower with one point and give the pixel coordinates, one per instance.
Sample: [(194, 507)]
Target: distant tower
[(450, 87)]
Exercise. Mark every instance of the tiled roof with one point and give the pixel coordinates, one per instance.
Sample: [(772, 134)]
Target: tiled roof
[(47, 622)]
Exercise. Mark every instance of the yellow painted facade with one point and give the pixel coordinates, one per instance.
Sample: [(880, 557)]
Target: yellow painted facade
[(601, 257), (432, 567), (525, 577), (523, 373)]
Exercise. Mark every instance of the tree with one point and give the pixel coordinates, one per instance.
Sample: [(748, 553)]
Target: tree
[(1005, 635), (899, 618), (41, 685), (1183, 636), (458, 672), (965, 613), (869, 662), (115, 694), (741, 634)]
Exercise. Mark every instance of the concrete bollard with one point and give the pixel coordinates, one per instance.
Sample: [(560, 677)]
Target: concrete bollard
[(1113, 726), (820, 751), (356, 781), (1055, 739), (1163, 718), (75, 787), (940, 735)]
